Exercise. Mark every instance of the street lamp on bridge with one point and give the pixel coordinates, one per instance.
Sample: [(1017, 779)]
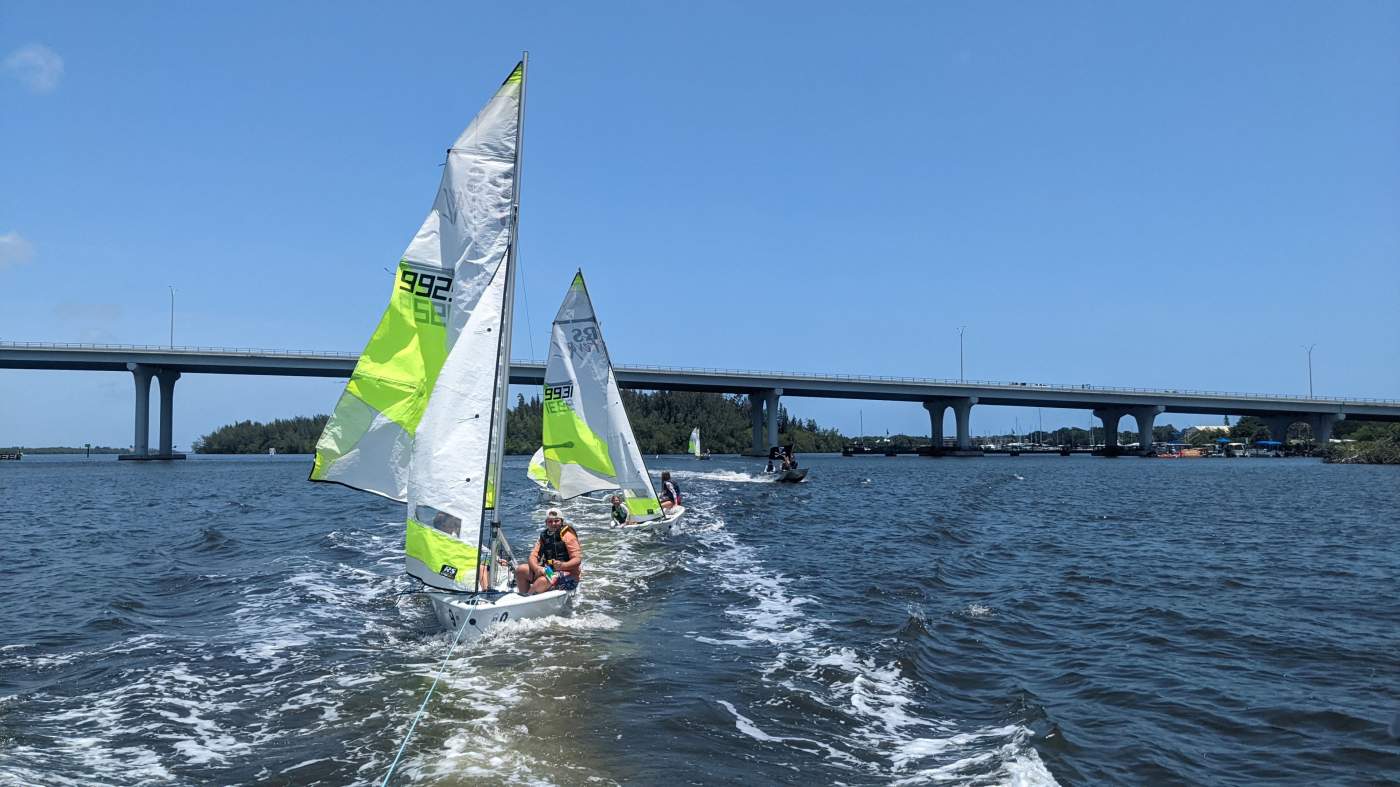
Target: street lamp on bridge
[(1309, 349), (962, 376)]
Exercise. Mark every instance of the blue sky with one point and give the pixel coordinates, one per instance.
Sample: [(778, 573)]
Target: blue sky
[(1179, 195)]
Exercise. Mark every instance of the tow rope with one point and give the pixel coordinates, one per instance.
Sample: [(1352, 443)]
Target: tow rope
[(423, 708)]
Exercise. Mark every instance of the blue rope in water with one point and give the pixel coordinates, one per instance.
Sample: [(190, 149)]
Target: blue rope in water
[(424, 707)]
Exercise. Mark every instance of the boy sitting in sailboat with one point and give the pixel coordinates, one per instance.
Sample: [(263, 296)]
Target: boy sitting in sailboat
[(556, 561), (620, 514)]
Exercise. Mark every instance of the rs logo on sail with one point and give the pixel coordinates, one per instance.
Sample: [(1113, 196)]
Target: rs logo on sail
[(584, 340)]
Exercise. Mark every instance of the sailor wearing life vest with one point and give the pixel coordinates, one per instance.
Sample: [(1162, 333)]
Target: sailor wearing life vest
[(558, 551), (670, 494)]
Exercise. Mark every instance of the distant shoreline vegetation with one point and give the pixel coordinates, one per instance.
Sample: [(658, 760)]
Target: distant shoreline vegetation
[(59, 449), (661, 422), (296, 435), (1369, 443)]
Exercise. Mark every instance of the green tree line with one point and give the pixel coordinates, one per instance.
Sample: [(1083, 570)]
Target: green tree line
[(661, 422), (62, 449), (1372, 443), (296, 435)]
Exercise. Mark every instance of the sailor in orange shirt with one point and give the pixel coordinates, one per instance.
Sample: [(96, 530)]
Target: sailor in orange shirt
[(559, 549)]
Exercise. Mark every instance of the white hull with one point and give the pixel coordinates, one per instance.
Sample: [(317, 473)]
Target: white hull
[(481, 614), (662, 525)]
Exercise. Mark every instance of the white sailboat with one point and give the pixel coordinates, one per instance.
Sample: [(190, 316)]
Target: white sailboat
[(588, 441), (540, 478), (422, 419), (536, 473), (694, 447)]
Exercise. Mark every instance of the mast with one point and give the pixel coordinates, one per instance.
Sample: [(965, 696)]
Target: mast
[(498, 445)]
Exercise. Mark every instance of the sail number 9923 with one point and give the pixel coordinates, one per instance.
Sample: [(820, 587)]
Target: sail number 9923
[(426, 285)]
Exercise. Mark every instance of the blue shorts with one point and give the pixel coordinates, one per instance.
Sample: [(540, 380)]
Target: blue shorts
[(566, 582)]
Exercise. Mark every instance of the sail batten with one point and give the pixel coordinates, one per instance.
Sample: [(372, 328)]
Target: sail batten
[(588, 441)]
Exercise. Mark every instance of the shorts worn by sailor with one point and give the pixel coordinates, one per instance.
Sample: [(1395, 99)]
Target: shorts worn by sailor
[(565, 582)]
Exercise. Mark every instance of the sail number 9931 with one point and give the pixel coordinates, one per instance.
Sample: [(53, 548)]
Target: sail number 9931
[(557, 396), (426, 285)]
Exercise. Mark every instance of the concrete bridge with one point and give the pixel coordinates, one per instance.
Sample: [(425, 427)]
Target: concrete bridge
[(764, 389)]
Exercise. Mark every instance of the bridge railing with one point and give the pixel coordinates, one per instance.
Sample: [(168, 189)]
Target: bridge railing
[(973, 383), (181, 348), (716, 371)]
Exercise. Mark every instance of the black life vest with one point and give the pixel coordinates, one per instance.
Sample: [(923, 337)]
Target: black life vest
[(552, 546), (671, 491)]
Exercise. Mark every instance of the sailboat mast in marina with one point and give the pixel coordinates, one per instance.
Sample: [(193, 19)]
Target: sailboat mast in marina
[(422, 419)]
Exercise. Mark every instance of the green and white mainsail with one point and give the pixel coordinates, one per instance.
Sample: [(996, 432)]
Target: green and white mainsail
[(694, 447), (421, 419), (588, 442)]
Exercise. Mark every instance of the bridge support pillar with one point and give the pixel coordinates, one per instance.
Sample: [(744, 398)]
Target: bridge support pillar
[(167, 378), (1110, 417), (140, 444), (936, 410), (1144, 417), (756, 422), (1322, 424), (771, 411), (1278, 427), (962, 410)]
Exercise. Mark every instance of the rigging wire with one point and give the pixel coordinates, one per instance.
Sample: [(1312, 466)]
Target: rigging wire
[(525, 294), (424, 707)]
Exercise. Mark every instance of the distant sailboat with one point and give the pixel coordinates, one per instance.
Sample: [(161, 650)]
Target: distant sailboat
[(422, 419), (536, 473), (588, 441), (694, 447)]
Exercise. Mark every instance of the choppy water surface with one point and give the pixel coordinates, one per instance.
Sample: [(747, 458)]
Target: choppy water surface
[(1034, 620)]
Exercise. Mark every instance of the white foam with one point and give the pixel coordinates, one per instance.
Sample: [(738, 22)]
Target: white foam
[(723, 476), (878, 702), (746, 726)]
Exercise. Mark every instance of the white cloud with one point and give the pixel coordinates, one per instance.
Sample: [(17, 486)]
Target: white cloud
[(14, 250), (36, 67)]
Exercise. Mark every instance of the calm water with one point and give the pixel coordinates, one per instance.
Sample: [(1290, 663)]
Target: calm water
[(1031, 620)]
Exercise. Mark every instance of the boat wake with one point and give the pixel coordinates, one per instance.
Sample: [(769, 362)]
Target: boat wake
[(311, 672), (498, 697), (875, 724), (723, 476)]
